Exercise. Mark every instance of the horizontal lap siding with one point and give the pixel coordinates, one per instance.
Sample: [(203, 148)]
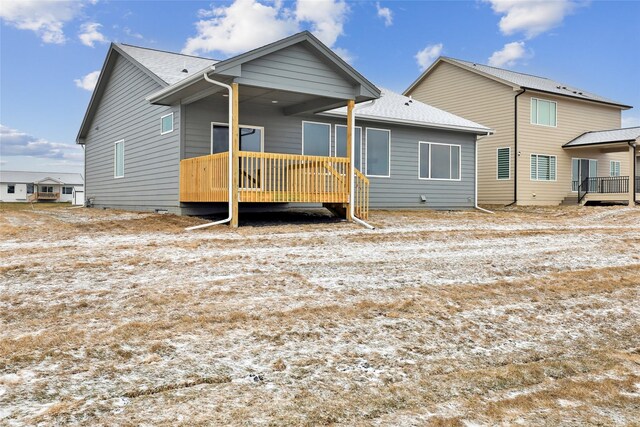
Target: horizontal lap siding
[(297, 69), (151, 160), (484, 101), (403, 188), (283, 134), (573, 118)]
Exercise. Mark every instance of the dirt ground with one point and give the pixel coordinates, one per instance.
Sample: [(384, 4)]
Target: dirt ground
[(529, 316)]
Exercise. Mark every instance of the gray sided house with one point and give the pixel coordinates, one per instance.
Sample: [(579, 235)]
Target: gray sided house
[(159, 125)]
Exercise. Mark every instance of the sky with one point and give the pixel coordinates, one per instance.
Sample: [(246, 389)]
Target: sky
[(51, 52)]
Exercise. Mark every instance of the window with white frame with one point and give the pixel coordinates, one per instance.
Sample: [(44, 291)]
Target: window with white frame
[(439, 161), (29, 188), (166, 124), (118, 159), (251, 138), (378, 152), (504, 163), (341, 144), (11, 189), (316, 139), (543, 167), (543, 112), (67, 190), (614, 168)]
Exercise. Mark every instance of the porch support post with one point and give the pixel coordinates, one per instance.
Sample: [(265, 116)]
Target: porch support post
[(350, 141), (235, 131), (632, 178)]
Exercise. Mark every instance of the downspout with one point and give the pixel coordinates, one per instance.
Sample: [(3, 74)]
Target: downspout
[(475, 203), (352, 171), (229, 217), (632, 178), (515, 147)]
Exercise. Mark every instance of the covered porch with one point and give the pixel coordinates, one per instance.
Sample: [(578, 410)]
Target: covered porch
[(250, 133), (604, 166)]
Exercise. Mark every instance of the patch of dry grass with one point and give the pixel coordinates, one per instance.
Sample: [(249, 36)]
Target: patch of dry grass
[(119, 318)]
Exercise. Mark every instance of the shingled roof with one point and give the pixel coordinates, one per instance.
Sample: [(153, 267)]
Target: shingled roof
[(605, 137), (521, 81), (395, 108)]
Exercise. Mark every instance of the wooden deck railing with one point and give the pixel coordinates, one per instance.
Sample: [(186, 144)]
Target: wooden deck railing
[(273, 178), (46, 195), (291, 178), (361, 195), (205, 178)]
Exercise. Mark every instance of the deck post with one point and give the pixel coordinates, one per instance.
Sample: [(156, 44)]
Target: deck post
[(350, 136), (632, 178), (235, 131)]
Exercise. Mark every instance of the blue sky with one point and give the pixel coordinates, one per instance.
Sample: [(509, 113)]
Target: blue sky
[(50, 51)]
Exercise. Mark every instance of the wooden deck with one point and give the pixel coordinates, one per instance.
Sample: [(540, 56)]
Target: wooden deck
[(273, 178)]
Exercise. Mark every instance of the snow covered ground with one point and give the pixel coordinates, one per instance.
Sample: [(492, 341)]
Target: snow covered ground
[(527, 316)]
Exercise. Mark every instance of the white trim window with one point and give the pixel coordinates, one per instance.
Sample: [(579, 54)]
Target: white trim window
[(118, 159), (11, 189), (543, 167), (67, 190), (251, 138), (340, 148), (439, 161), (316, 139), (614, 168), (377, 148), (544, 112), (166, 124), (503, 162)]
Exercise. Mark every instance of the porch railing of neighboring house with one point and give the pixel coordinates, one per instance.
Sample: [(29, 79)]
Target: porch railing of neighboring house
[(46, 195), (273, 178), (601, 185)]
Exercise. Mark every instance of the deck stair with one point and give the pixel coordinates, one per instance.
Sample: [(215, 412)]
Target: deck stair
[(570, 200)]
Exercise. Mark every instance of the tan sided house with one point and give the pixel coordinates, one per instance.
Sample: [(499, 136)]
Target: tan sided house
[(553, 143)]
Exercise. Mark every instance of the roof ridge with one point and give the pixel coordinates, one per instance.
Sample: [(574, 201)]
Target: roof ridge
[(609, 130), (168, 51), (502, 69)]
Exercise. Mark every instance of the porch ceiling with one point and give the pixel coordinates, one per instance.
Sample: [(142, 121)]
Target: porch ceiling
[(290, 102)]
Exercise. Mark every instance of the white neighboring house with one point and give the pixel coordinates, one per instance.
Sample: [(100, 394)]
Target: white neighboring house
[(19, 186)]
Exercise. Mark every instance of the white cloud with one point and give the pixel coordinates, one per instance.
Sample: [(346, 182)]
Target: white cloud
[(247, 24), (344, 54), (531, 17), (509, 54), (242, 26), (16, 143), (90, 34), (326, 17), (43, 17), (386, 14), (426, 56), (128, 31), (89, 81)]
